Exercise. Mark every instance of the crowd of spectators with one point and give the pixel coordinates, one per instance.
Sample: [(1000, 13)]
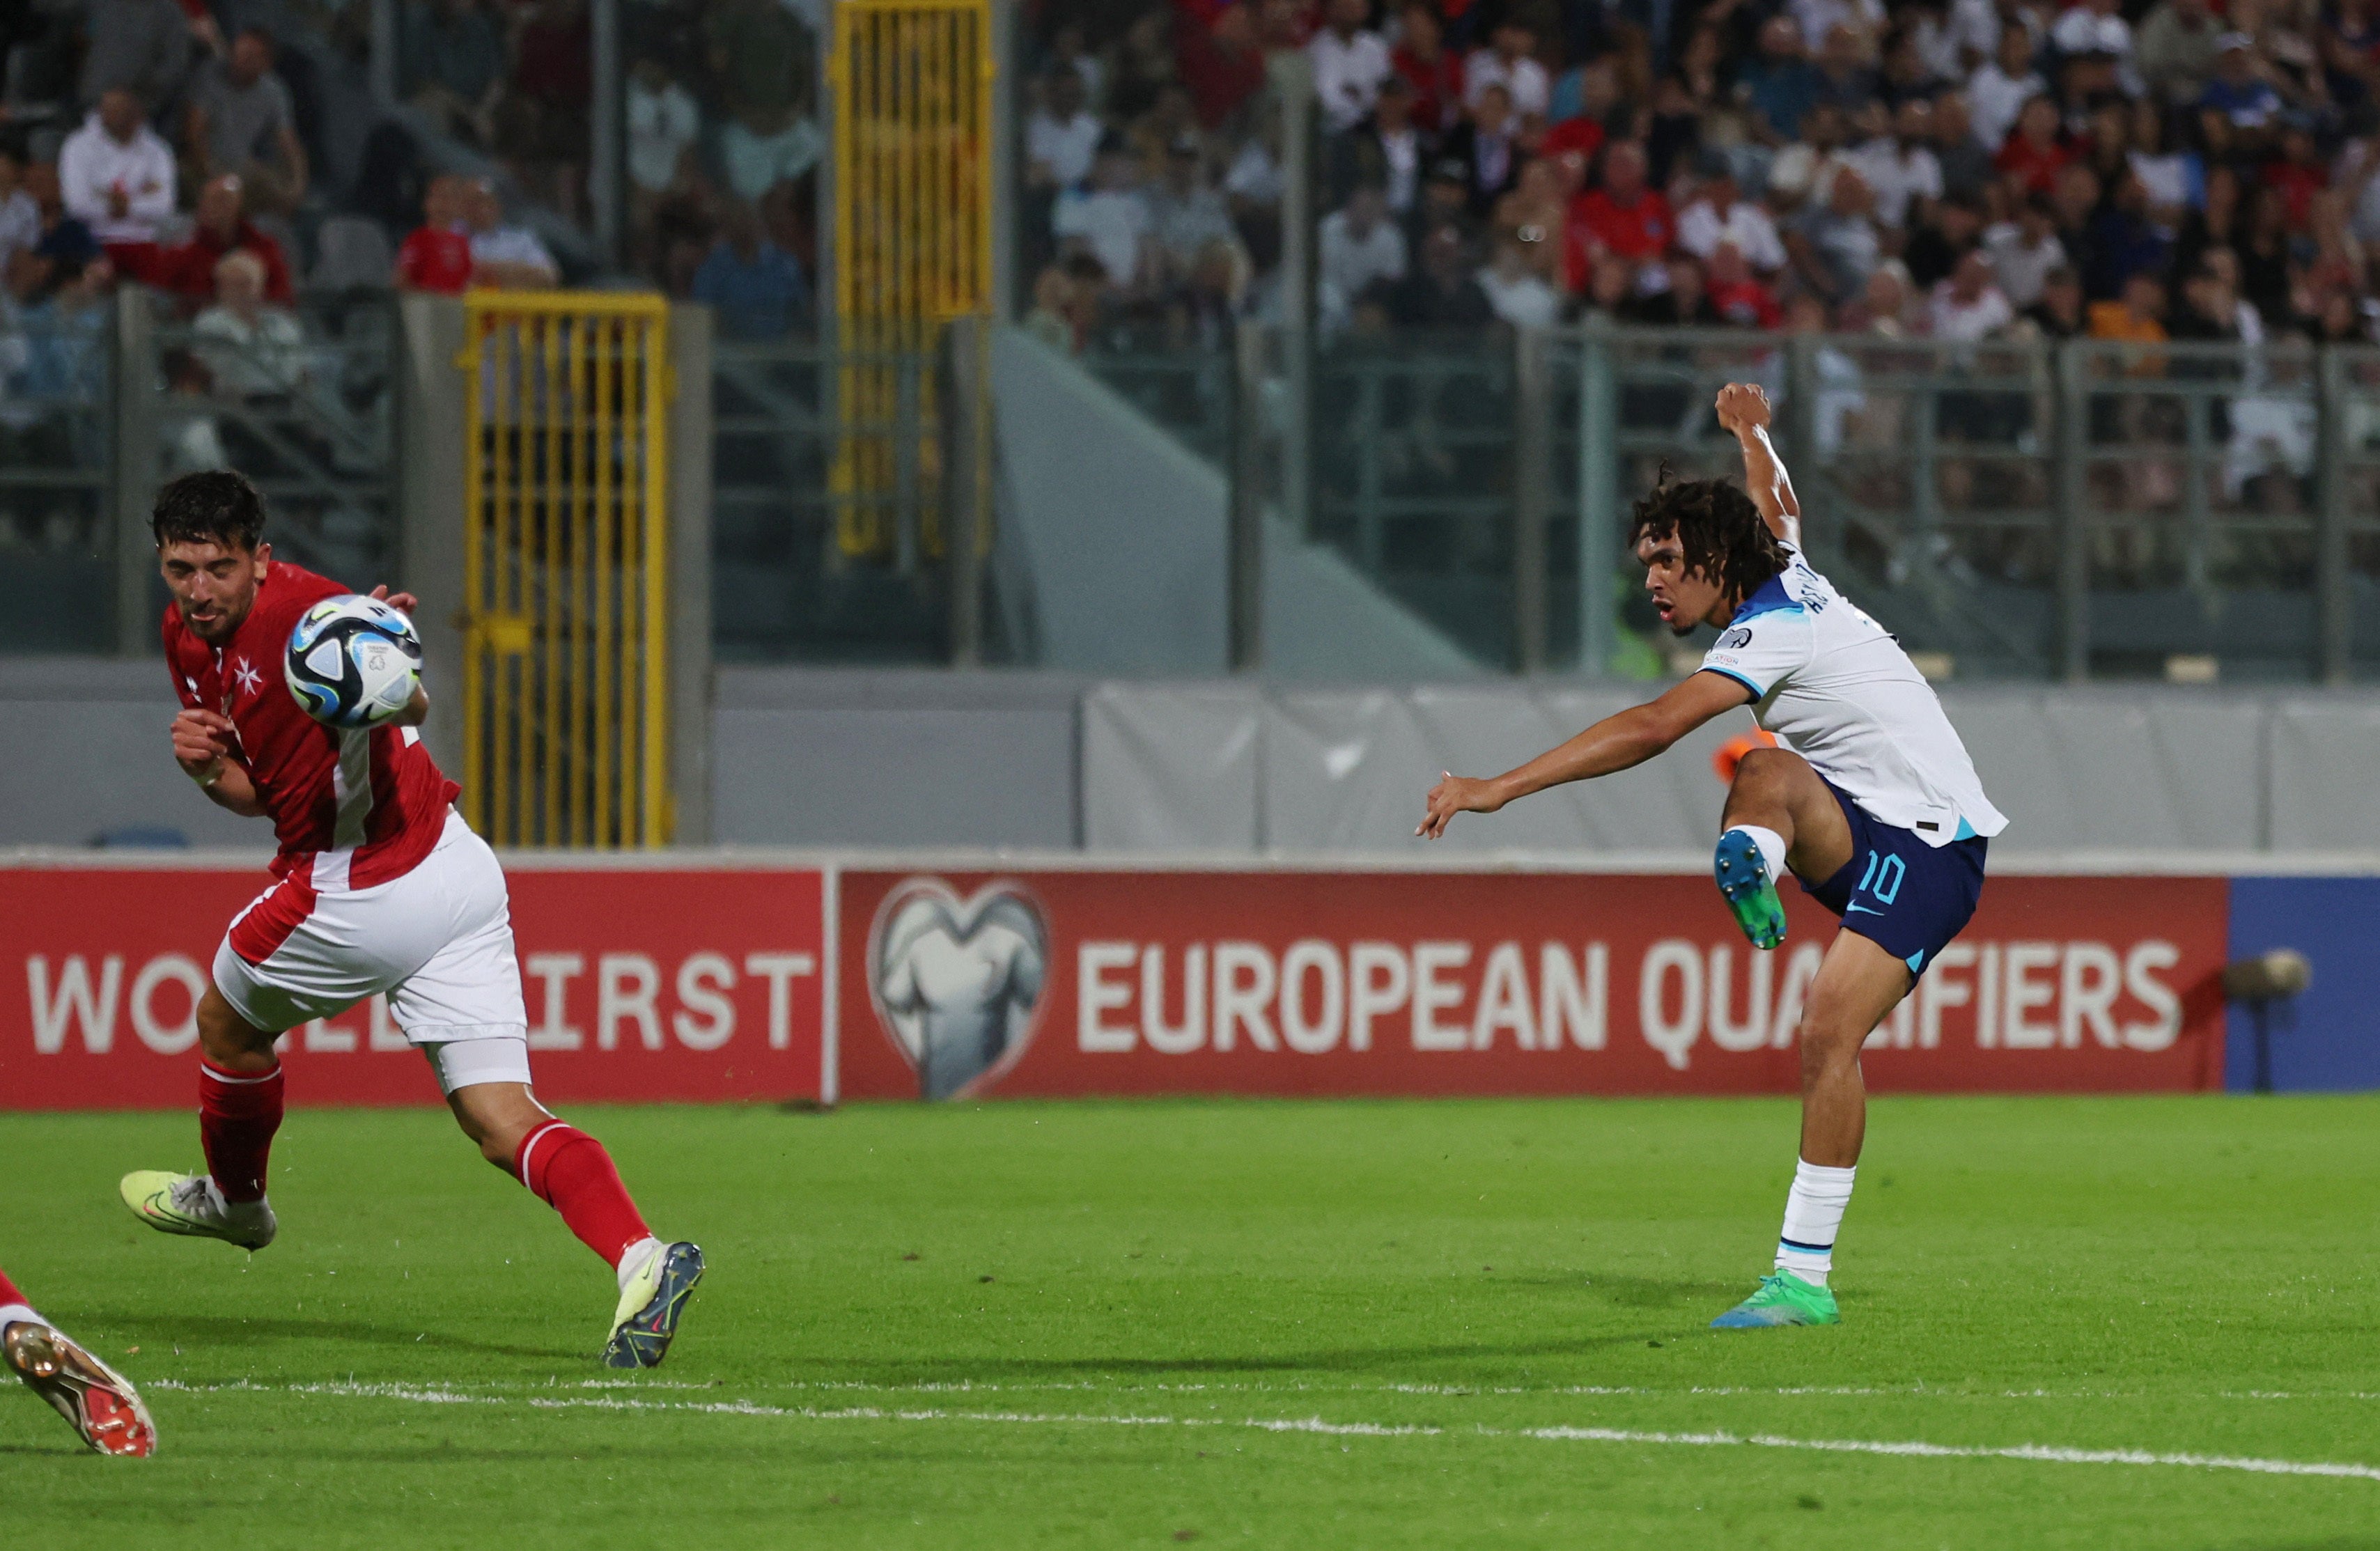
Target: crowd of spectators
[(1958, 169)]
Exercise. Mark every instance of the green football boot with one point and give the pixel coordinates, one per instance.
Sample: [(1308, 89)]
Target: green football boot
[(1782, 1299), (1744, 883)]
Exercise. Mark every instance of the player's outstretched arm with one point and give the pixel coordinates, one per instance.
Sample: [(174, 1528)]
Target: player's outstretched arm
[(202, 748), (1743, 413), (1616, 742)]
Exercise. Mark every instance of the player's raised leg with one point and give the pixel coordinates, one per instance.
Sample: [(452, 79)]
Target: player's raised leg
[(572, 1172), (98, 1402), (1780, 816), (239, 1111)]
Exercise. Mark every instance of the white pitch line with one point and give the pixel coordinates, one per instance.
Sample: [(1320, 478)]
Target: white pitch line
[(2029, 1452)]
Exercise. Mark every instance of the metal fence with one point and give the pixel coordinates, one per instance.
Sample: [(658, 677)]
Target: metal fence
[(2009, 508), (101, 397), (787, 585)]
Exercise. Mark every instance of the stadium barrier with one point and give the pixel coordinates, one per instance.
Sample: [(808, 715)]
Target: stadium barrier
[(789, 977)]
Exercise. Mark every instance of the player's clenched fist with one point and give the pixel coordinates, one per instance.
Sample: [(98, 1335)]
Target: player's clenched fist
[(1454, 795), (1742, 406), (201, 737)]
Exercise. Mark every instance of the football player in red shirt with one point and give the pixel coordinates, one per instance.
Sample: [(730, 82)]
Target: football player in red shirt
[(97, 1402), (379, 887)]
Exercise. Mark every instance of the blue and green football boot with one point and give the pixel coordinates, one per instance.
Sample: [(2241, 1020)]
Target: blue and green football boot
[(1782, 1299), (1744, 882)]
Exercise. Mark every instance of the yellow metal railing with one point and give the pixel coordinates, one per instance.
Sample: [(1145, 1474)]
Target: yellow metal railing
[(566, 544), (912, 82)]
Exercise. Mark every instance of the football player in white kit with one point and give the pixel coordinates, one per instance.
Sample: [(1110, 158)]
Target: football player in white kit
[(1870, 800)]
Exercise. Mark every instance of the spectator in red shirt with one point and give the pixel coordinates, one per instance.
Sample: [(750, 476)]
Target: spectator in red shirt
[(188, 269), (2034, 152), (2299, 174), (1575, 141), (1624, 217), (1422, 57), (1737, 295), (1221, 64), (437, 257)]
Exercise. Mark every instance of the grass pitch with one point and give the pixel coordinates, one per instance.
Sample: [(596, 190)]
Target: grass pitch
[(2108, 1323)]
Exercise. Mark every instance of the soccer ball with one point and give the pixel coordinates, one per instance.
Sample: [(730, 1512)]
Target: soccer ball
[(353, 661)]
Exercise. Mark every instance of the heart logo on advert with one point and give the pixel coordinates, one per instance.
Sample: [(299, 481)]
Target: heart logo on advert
[(955, 981)]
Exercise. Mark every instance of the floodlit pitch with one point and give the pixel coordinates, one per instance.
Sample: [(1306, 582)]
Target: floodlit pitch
[(2078, 1322)]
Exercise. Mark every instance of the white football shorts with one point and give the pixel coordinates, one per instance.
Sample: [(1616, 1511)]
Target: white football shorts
[(438, 941)]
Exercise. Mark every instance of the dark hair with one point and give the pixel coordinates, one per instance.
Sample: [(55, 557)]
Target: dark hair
[(217, 506), (1721, 532)]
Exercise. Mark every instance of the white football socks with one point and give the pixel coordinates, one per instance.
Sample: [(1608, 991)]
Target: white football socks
[(14, 1313), (1814, 1212), (1772, 848), (634, 1258)]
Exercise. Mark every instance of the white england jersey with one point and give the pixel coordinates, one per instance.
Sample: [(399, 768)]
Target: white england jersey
[(1839, 691)]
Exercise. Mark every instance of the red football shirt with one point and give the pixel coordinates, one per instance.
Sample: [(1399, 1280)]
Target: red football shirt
[(435, 258), (1639, 232), (350, 807)]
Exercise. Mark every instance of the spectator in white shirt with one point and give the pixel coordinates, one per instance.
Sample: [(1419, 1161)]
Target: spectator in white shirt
[(2024, 251), (1186, 214), (1968, 307), (1509, 64), (1997, 91), (1350, 61), (1719, 215), (249, 350), (1818, 18), (510, 258), (664, 124), (20, 215), (116, 174), (1900, 167), (1515, 289), (1359, 245), (2092, 27), (1062, 136), (1108, 221)]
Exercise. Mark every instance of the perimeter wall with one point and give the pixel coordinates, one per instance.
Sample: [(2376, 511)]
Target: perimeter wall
[(790, 976)]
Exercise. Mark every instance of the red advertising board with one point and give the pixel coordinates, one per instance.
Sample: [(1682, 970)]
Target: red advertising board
[(1380, 982), (675, 983)]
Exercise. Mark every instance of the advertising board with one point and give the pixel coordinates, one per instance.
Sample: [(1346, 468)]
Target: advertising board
[(1073, 982), (679, 983)]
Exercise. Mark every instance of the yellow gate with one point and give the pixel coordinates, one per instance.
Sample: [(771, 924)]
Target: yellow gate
[(912, 82), (566, 539)]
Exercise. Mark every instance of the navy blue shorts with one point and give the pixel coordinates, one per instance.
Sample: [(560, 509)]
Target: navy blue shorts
[(1907, 897)]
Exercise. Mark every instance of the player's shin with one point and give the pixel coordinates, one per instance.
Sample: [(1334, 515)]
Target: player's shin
[(238, 1117), (570, 1171), (1814, 1212)]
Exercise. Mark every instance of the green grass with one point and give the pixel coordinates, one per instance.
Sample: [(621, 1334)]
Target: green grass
[(2187, 1276)]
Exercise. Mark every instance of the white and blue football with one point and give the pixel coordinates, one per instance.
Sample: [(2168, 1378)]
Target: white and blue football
[(353, 661)]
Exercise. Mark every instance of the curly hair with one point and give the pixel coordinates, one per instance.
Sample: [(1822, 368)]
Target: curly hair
[(1723, 534), (216, 506)]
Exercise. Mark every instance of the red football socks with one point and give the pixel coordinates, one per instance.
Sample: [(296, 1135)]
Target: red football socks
[(238, 1116), (570, 1171), (8, 1293)]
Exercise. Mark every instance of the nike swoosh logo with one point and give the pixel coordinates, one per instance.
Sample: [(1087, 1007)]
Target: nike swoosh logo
[(1862, 909)]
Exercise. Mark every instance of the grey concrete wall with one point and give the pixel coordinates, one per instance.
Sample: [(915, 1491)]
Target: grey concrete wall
[(1047, 760), (88, 755), (895, 757), (1121, 534)]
